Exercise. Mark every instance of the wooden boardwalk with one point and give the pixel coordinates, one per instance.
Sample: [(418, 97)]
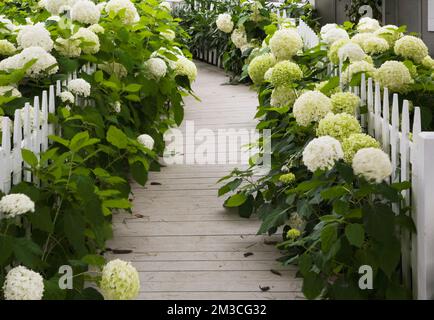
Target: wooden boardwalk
[(184, 244)]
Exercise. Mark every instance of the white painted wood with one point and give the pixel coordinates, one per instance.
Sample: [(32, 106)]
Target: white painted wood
[(411, 151)]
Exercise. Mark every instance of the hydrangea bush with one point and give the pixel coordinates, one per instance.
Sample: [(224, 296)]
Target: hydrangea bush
[(327, 192), (112, 123)]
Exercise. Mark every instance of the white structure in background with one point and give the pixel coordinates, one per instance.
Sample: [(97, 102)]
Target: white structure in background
[(412, 152), (430, 15), (29, 132)]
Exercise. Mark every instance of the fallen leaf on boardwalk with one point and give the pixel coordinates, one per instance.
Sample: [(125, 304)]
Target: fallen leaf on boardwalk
[(138, 215), (155, 184), (270, 242), (264, 288), (275, 272), (121, 251), (248, 254)]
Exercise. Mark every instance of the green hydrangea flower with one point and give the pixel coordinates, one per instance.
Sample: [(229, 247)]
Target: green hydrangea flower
[(283, 96), (259, 66), (355, 142), (293, 234), (395, 76), (285, 73), (344, 102), (411, 47), (287, 178), (338, 126)]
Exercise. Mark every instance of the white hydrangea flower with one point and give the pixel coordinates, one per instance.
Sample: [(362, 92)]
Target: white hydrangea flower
[(131, 15), (66, 97), (16, 204), (45, 62), (80, 87), (85, 11), (322, 153), (373, 164), (351, 51), (10, 90), (101, 6), (156, 68), (367, 24), (390, 33), (239, 37), (310, 107), (224, 23), (56, 7), (88, 36), (165, 5), (146, 140), (375, 45), (7, 48), (168, 34), (117, 107), (96, 28), (356, 68), (295, 221), (8, 26), (285, 44), (334, 35), (326, 28), (411, 47), (35, 36), (23, 284), (119, 281), (68, 47), (186, 67)]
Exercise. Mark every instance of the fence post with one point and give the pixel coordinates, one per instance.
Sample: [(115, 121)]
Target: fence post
[(423, 214)]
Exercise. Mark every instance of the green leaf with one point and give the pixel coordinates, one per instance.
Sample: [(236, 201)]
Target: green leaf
[(117, 138), (94, 260), (246, 209), (355, 234), (6, 248), (41, 219), (27, 252), (139, 172), (117, 203), (60, 140), (133, 87), (231, 186), (236, 200), (333, 192), (328, 237), (29, 157), (313, 285)]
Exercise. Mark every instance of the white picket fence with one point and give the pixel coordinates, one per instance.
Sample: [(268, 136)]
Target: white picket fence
[(29, 130), (412, 154)]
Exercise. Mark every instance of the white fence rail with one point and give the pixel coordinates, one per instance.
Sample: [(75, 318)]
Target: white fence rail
[(29, 130), (412, 155)]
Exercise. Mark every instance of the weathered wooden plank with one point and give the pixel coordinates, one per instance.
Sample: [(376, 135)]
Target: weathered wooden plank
[(192, 243), (209, 295), (172, 257), (190, 228)]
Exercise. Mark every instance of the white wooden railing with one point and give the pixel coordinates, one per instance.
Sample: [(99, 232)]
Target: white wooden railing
[(29, 130), (412, 155)]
